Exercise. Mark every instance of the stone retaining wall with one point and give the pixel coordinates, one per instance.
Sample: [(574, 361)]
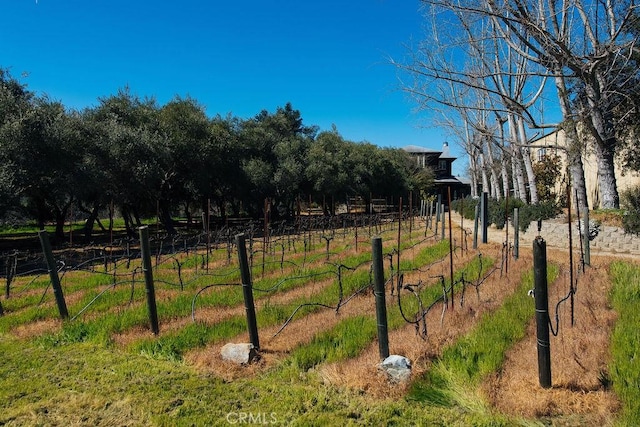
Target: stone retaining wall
[(556, 233)]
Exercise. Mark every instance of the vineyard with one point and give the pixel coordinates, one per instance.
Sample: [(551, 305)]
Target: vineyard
[(130, 334)]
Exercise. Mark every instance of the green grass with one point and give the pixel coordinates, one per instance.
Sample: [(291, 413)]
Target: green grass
[(625, 341), (31, 227), (454, 378), (85, 384), (345, 340)]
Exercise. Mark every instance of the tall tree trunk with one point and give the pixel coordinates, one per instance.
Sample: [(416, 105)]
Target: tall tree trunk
[(573, 146), (605, 143), (519, 187), (165, 217), (495, 186), (91, 219), (485, 179), (60, 217), (473, 171), (514, 180), (526, 159), (609, 197), (470, 148), (517, 163), (128, 221), (503, 163)]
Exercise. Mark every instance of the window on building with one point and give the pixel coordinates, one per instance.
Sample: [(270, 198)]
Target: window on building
[(541, 153), (442, 165)]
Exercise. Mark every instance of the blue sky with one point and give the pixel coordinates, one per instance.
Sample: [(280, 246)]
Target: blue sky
[(328, 58)]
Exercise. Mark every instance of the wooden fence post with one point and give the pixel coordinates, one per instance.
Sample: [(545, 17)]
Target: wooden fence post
[(53, 274), (542, 311), (484, 216), (247, 291), (379, 292), (516, 233), (145, 253), (476, 219)]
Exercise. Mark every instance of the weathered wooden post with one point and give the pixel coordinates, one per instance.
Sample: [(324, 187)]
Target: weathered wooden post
[(484, 216), (53, 274), (438, 207), (516, 233), (542, 311), (410, 213), (450, 244), (442, 229), (247, 291), (10, 271), (476, 219), (145, 253), (381, 306)]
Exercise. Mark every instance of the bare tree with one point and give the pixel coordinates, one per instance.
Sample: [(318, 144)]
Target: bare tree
[(584, 45), (496, 79)]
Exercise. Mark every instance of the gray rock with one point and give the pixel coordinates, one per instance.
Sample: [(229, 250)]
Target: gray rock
[(239, 353), (397, 367)]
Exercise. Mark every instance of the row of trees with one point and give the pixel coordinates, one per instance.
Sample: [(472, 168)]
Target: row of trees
[(495, 69), (134, 156)]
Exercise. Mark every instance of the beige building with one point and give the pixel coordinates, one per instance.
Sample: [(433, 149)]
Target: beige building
[(554, 144)]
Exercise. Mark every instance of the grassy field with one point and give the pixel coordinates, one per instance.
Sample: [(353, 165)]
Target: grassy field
[(473, 359)]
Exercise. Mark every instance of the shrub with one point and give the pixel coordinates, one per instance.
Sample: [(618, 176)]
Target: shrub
[(631, 217), (498, 209), (465, 206), (527, 213), (531, 213)]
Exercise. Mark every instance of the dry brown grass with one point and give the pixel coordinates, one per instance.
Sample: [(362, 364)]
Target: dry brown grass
[(34, 329), (579, 357), (361, 373)]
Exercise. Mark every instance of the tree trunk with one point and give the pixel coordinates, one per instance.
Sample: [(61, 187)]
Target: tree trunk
[(187, 213), (517, 162), (60, 218), (609, 198), (576, 167), (605, 143), (128, 222), (573, 147), (514, 180), (165, 217), (473, 171), (526, 158), (485, 179), (495, 186), (520, 191), (91, 219)]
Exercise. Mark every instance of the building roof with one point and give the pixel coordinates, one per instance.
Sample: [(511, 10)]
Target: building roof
[(446, 154), (450, 180), (418, 149), (443, 154)]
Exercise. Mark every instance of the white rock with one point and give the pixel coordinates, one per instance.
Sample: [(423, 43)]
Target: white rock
[(239, 353), (397, 367)]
